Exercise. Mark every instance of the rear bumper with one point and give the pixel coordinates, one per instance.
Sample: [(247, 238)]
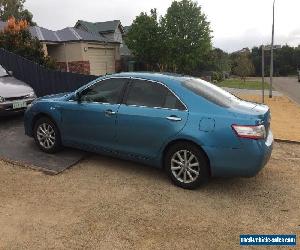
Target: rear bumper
[(246, 161)]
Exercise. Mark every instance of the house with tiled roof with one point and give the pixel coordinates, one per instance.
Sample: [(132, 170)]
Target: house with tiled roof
[(77, 50), (110, 29)]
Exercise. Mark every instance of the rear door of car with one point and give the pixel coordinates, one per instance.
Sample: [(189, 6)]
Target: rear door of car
[(91, 122), (149, 115)]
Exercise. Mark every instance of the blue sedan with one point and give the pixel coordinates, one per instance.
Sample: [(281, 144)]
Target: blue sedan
[(187, 126)]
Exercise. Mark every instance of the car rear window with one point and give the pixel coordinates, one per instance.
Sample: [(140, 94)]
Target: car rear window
[(210, 92)]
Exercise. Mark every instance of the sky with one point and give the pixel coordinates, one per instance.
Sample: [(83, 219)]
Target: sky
[(235, 23)]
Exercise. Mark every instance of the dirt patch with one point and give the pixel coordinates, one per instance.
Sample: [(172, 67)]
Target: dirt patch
[(285, 116), (111, 204)]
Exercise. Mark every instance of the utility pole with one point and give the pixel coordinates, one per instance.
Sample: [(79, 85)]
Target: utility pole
[(263, 72), (272, 64)]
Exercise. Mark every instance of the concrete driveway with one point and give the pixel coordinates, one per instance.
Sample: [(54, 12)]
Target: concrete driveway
[(16, 147), (103, 203)]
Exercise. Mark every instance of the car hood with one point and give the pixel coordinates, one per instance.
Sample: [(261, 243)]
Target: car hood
[(11, 87), (55, 97)]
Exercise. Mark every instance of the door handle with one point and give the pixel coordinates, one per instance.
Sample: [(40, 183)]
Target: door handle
[(109, 112), (174, 118)]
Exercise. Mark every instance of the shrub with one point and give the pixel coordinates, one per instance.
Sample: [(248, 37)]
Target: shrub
[(17, 39), (217, 76)]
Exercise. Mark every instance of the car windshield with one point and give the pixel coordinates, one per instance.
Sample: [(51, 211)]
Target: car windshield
[(3, 72), (210, 92)]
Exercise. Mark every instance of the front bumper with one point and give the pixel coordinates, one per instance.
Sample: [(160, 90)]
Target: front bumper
[(245, 161), (28, 124), (6, 108)]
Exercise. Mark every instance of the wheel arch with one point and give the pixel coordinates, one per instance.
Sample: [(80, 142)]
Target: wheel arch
[(41, 115), (45, 117), (182, 140)]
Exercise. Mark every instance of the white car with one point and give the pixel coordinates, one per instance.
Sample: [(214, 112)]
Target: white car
[(15, 95)]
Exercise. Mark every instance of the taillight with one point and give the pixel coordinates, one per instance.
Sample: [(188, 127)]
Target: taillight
[(250, 132)]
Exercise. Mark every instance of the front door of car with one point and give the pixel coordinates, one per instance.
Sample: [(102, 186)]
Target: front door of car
[(91, 122), (149, 116)]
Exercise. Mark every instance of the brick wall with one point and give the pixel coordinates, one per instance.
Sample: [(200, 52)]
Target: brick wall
[(81, 67)]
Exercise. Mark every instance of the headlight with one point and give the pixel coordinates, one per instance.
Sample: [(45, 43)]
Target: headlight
[(2, 99), (31, 95)]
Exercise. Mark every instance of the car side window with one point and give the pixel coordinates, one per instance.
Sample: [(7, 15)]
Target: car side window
[(150, 94), (106, 91)]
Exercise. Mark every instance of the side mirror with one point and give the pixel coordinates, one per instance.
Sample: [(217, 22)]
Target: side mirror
[(10, 72)]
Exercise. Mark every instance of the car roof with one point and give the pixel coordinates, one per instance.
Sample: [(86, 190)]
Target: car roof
[(171, 80), (166, 78)]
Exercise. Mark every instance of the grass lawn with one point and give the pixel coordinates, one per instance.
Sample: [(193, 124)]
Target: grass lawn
[(240, 84)]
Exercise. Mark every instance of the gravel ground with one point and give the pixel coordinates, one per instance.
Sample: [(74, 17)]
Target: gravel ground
[(105, 203)]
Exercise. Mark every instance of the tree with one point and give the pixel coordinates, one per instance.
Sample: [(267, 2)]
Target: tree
[(144, 39), (216, 60), (243, 65), (15, 8), (297, 56), (256, 55), (178, 42), (17, 39), (187, 35), (286, 60)]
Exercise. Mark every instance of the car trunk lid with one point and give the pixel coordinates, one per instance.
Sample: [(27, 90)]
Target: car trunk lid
[(260, 112)]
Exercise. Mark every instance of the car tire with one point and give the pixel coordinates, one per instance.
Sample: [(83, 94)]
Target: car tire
[(47, 136), (186, 165)]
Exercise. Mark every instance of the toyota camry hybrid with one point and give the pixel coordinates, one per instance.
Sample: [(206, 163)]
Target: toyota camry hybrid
[(189, 127)]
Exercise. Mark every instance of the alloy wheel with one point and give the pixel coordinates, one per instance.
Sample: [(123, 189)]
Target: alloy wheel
[(185, 166), (46, 135)]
